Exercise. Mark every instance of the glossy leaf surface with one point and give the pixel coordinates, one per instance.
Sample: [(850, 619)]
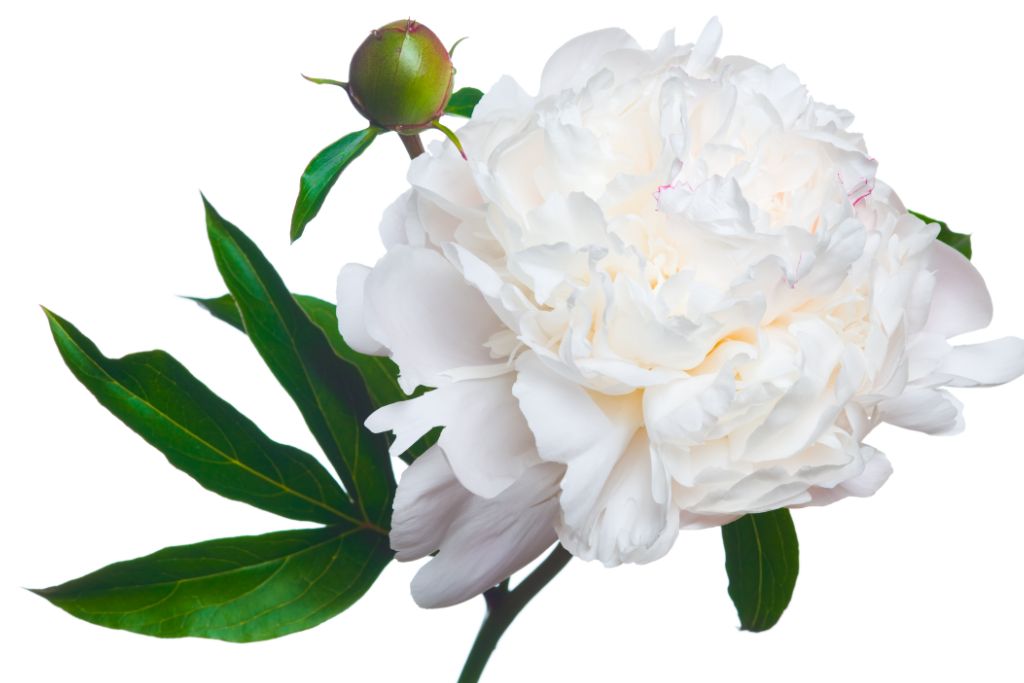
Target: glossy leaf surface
[(762, 558), (238, 589), (201, 434), (321, 174), (328, 390)]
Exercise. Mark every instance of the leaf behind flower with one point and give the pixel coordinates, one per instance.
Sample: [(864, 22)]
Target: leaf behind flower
[(958, 241), (328, 390), (380, 374), (463, 102), (762, 559)]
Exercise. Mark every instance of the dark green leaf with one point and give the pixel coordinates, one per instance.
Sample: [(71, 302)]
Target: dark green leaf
[(328, 390), (380, 375), (762, 558), (321, 174), (463, 102), (958, 241), (238, 589), (201, 434)]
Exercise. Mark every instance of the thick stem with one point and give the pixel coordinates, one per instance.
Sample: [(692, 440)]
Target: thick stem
[(413, 145), (503, 606)]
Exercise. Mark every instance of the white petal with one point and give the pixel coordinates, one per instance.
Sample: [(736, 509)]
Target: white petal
[(585, 430), (960, 302), (351, 281), (489, 539), (983, 365), (504, 97), (932, 411), (400, 225), (706, 47), (486, 439), (610, 508), (627, 523), (419, 307), (875, 472), (429, 498), (576, 61)]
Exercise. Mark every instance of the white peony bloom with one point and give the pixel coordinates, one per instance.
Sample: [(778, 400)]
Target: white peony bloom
[(665, 292)]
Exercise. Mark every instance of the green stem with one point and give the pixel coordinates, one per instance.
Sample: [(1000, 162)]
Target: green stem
[(503, 606)]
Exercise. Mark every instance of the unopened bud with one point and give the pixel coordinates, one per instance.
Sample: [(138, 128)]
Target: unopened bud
[(401, 77)]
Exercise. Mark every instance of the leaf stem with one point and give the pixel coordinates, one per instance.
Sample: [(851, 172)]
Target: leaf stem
[(503, 606), (413, 145)]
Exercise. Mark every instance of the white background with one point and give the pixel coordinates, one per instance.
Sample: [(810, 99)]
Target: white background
[(115, 115)]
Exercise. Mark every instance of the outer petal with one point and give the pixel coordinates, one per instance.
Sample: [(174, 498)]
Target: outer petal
[(983, 365), (576, 61), (352, 325), (486, 439), (429, 498), (484, 540), (705, 48), (419, 307), (960, 302), (875, 473), (928, 410)]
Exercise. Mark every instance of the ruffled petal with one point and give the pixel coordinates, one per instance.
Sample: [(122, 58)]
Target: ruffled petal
[(633, 518), (875, 472), (422, 310), (486, 440), (484, 540), (351, 324), (576, 61), (615, 496)]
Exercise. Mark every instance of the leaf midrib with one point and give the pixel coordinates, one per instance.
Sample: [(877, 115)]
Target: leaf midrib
[(280, 485), (178, 582), (357, 494)]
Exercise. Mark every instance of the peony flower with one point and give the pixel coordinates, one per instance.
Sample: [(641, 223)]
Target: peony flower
[(666, 291)]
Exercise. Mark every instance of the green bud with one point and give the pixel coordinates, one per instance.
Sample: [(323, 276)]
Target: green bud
[(401, 77)]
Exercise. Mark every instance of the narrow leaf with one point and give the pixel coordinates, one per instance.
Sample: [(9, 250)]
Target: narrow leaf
[(237, 589), (380, 375), (762, 559), (463, 102), (201, 434), (327, 389), (325, 81), (321, 174), (958, 241)]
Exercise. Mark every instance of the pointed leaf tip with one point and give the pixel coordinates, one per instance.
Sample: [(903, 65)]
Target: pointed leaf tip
[(201, 434), (325, 81), (327, 389), (239, 589), (321, 174)]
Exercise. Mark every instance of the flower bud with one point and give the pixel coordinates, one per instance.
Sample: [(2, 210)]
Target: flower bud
[(401, 77)]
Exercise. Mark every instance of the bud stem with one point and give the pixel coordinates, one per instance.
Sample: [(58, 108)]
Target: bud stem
[(413, 145)]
